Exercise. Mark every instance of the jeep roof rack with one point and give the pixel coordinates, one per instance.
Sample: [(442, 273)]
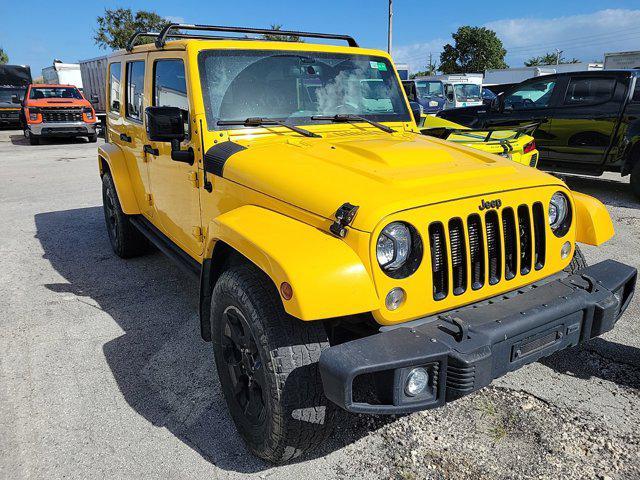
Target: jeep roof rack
[(166, 31)]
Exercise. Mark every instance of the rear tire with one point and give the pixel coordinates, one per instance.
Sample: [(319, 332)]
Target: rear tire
[(126, 240), (635, 179), (267, 362), (33, 139), (578, 262)]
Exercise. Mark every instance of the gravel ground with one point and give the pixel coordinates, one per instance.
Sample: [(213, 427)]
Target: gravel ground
[(103, 374)]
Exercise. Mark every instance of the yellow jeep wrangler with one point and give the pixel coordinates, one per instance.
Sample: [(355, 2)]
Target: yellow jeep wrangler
[(344, 259)]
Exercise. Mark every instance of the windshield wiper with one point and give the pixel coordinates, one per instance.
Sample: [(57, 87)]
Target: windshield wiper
[(352, 119), (261, 122)]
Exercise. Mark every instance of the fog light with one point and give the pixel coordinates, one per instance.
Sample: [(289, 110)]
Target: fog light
[(566, 249), (394, 299), (417, 382)]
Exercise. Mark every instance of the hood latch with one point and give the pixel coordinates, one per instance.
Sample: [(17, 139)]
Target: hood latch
[(344, 216)]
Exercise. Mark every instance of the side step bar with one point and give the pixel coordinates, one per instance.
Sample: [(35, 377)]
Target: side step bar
[(165, 245)]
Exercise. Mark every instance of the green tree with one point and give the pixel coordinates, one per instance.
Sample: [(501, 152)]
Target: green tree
[(548, 59), (281, 38), (4, 58), (117, 25), (476, 49), (429, 69)]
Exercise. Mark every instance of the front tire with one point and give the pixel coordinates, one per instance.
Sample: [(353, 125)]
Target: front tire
[(267, 362), (93, 138), (125, 239), (33, 139), (578, 262)]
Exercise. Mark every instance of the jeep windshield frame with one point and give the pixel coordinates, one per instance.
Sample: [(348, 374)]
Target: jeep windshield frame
[(295, 86)]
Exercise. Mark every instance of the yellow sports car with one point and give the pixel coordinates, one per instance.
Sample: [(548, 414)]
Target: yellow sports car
[(517, 145)]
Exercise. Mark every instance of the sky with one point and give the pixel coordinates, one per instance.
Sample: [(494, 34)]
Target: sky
[(37, 32)]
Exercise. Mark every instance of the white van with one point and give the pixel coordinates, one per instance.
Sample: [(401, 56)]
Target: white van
[(464, 90)]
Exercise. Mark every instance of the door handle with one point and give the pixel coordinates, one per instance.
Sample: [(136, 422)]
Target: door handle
[(150, 150), (125, 138)]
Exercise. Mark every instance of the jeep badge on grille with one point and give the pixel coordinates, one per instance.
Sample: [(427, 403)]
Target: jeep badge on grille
[(490, 204)]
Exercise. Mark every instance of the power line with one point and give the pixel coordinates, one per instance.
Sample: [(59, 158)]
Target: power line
[(634, 31)]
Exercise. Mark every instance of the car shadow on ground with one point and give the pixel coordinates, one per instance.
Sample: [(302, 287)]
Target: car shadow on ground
[(599, 358), (615, 193), (161, 365), (21, 140)]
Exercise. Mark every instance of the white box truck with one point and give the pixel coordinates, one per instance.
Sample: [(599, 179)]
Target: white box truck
[(622, 60), (63, 74)]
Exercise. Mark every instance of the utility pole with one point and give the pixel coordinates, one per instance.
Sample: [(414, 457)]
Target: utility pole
[(558, 53), (431, 72), (390, 35)]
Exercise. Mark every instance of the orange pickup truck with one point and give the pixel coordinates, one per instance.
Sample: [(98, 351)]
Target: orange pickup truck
[(57, 111)]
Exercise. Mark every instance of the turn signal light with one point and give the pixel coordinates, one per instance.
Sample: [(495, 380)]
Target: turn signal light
[(530, 147)]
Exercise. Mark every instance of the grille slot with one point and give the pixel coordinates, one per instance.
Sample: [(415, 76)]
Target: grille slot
[(510, 251), (494, 248), (476, 251), (524, 229), (63, 114), (439, 261), (458, 256), (539, 235)]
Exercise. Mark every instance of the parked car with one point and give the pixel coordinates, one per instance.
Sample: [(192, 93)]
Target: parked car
[(589, 121), (57, 111), (14, 80), (488, 96), (429, 94), (459, 90), (517, 145), (335, 246)]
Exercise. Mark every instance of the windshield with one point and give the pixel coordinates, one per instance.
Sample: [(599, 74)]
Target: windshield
[(7, 93), (294, 86), (54, 92), (466, 92), (430, 89)]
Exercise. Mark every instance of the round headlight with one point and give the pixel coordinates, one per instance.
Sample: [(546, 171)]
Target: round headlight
[(399, 250), (559, 214), (394, 246)]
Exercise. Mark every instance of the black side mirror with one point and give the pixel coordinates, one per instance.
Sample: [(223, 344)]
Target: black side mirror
[(496, 104), (417, 111), (15, 99), (166, 124)]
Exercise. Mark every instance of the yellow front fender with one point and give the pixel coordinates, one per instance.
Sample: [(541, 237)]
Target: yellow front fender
[(114, 157), (593, 223), (328, 278)]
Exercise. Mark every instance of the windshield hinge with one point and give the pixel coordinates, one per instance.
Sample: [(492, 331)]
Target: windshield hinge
[(344, 216), (197, 233), (193, 178)]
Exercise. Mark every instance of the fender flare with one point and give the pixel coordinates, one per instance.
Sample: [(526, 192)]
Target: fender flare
[(328, 278), (114, 157), (593, 223)]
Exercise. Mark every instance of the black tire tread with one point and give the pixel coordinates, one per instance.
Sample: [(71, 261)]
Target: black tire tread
[(635, 179), (132, 243), (578, 262), (292, 344)]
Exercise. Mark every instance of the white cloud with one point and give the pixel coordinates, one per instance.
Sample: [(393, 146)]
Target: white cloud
[(173, 19), (586, 37)]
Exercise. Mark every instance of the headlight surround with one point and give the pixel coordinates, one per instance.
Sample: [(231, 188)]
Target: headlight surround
[(399, 250), (560, 214)]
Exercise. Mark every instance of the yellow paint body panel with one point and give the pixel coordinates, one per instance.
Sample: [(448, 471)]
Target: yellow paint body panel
[(327, 276), (277, 198), (515, 144), (593, 223), (113, 155)]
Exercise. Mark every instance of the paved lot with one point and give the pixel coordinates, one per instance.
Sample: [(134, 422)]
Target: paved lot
[(103, 373)]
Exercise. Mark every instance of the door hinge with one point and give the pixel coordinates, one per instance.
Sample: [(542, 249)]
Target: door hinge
[(197, 234), (193, 178), (149, 199)]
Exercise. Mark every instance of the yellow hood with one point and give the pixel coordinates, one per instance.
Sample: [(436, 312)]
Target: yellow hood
[(381, 173)]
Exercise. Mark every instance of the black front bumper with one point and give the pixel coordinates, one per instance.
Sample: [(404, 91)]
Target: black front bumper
[(465, 349)]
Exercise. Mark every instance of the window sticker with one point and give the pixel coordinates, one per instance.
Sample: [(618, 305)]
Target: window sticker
[(382, 66)]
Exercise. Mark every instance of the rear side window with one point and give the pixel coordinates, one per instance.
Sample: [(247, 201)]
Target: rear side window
[(170, 84), (114, 87), (532, 95), (585, 91), (135, 90)]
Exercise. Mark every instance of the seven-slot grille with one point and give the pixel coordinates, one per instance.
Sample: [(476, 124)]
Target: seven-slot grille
[(507, 243), (61, 114)]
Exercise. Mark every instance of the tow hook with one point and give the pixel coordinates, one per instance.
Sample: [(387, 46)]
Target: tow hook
[(462, 328), (344, 216)]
